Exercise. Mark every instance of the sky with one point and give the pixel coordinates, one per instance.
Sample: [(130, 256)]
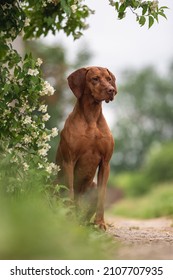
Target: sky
[(122, 44)]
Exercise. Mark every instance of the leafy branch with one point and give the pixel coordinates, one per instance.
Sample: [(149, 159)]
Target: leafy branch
[(143, 10)]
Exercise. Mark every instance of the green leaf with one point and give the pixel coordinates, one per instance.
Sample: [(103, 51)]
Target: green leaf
[(144, 9), (162, 14), (142, 20), (122, 8), (164, 7), (7, 87), (155, 15), (3, 50), (117, 5), (121, 15), (65, 7), (151, 21)]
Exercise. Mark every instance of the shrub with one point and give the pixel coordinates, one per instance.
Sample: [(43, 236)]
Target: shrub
[(156, 203), (131, 183), (159, 164)]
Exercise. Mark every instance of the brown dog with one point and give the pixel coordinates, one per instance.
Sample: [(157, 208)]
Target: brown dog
[(86, 142)]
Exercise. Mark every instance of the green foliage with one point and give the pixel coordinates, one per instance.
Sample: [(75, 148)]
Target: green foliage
[(159, 164), (157, 203), (143, 10), (23, 137), (55, 15), (132, 184), (36, 224), (35, 227), (156, 169)]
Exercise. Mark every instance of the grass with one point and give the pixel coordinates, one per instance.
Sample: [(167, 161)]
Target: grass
[(31, 229), (156, 203), (36, 225)]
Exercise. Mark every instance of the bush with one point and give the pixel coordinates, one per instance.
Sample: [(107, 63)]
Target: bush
[(131, 183), (156, 203), (159, 166)]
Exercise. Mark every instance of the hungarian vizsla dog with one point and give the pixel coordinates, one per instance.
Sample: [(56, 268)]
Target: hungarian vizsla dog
[(86, 143)]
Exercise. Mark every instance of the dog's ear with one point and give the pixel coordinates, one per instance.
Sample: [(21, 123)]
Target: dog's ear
[(76, 81), (113, 79)]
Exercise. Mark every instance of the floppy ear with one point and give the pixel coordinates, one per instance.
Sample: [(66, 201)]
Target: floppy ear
[(113, 79), (76, 81)]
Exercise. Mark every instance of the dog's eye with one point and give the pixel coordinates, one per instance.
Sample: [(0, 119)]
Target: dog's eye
[(95, 79), (109, 79)]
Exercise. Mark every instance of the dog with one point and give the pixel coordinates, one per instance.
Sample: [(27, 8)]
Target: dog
[(86, 143)]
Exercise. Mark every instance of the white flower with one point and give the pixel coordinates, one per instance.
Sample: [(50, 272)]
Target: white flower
[(27, 120), (42, 152), (13, 103), (47, 89), (40, 166), (44, 4), (27, 22), (18, 145), (9, 150), (34, 125), (35, 134), (46, 117), (39, 61), (46, 137), (54, 132), (46, 146), (20, 81), (22, 110), (52, 168), (6, 112), (8, 41), (154, 5), (14, 159), (73, 8), (27, 139), (25, 166), (13, 32), (43, 108), (33, 72), (49, 169)]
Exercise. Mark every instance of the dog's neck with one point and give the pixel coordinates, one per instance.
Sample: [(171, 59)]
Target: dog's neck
[(89, 108)]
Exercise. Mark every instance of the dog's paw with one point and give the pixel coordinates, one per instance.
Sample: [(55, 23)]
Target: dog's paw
[(100, 225)]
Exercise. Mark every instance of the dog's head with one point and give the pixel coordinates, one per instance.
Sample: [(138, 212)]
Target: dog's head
[(99, 81)]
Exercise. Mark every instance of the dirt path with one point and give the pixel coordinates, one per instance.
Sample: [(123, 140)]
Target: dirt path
[(143, 239)]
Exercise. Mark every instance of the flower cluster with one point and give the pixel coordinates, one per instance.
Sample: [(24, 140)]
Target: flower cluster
[(154, 5), (23, 134), (47, 89)]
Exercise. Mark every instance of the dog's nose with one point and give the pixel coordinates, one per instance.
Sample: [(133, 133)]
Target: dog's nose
[(111, 92)]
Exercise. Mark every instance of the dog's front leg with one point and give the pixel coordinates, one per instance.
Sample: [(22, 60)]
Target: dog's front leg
[(102, 179)]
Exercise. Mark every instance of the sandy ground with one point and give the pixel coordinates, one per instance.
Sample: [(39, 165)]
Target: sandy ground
[(142, 239)]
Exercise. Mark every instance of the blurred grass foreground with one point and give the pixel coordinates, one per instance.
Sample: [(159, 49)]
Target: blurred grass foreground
[(33, 225)]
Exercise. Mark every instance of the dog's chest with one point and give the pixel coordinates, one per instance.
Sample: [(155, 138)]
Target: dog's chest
[(95, 139)]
